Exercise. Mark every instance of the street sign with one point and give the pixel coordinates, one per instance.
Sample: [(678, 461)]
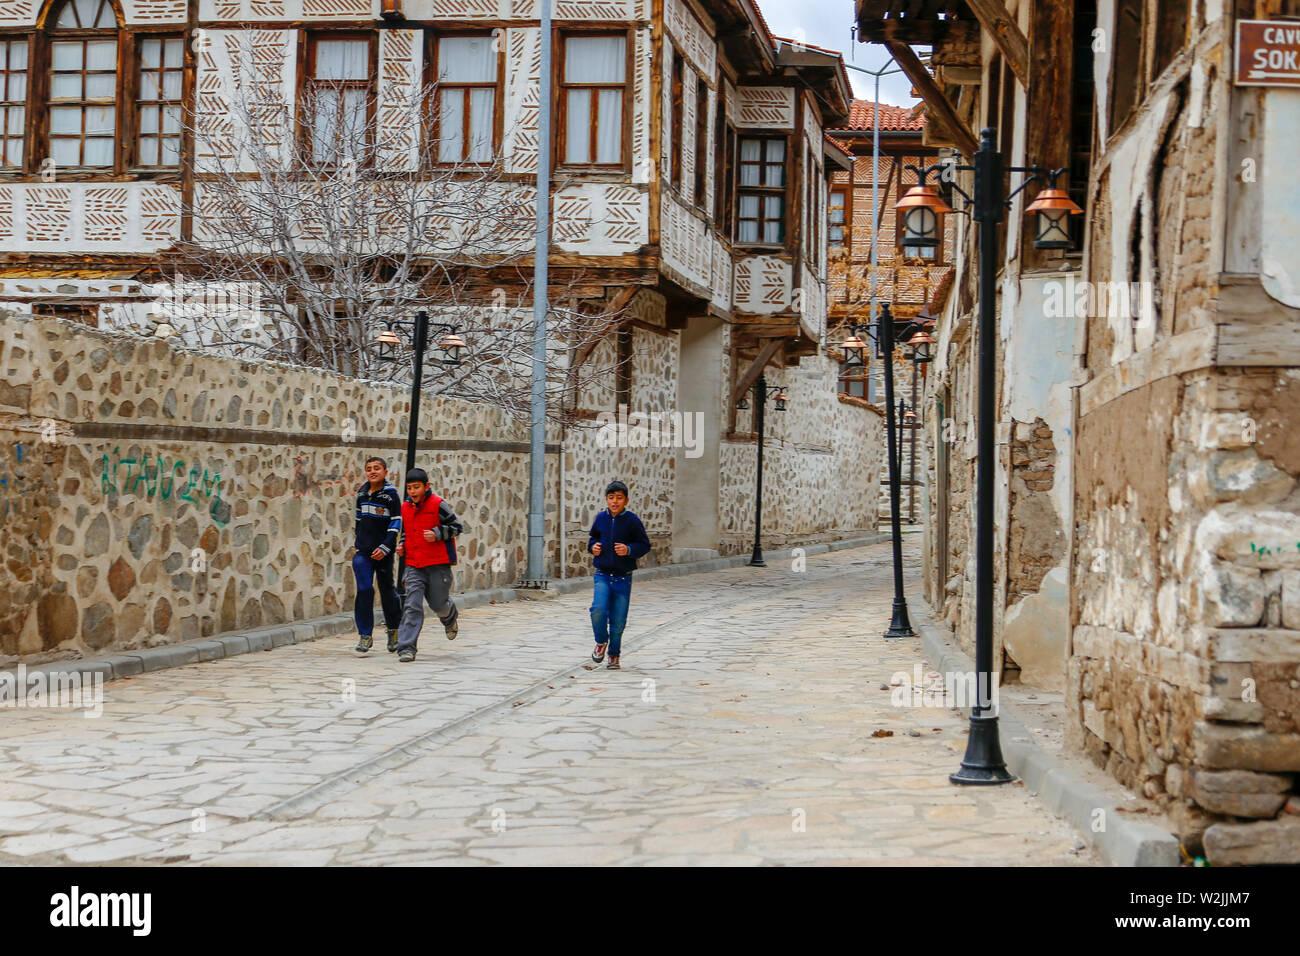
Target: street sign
[(1268, 53)]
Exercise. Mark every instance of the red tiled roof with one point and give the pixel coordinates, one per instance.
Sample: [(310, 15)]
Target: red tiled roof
[(844, 148), (894, 118)]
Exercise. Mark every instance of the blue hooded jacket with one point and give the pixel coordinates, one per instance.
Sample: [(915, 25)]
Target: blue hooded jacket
[(607, 531)]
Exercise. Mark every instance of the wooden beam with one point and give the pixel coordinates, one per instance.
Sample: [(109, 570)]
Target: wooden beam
[(993, 17), (963, 138), (616, 307), (756, 369), (1051, 25)]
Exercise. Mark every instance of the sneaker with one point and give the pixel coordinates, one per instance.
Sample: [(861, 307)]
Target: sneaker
[(364, 643), (406, 655), (452, 629), (598, 654), (392, 640), (613, 664)]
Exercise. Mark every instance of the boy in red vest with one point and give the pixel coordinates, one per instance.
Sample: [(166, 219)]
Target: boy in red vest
[(429, 528)]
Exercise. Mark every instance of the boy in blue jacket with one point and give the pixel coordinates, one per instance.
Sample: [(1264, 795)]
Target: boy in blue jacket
[(379, 522), (617, 539)]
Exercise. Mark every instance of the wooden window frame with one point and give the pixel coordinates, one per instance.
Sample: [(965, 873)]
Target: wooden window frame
[(138, 69), (857, 375), (623, 350), (36, 133), (40, 126), (1125, 96), (724, 178), (559, 146), (841, 190), (677, 127), (307, 79), (763, 136), (701, 186), (433, 118), (25, 104)]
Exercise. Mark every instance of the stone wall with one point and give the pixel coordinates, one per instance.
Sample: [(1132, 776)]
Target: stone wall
[(821, 466), (150, 494), (641, 454), (153, 494), (1187, 648)]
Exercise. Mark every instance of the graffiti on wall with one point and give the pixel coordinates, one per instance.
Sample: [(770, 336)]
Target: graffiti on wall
[(158, 477)]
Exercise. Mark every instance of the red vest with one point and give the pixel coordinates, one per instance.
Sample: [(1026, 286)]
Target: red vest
[(416, 521)]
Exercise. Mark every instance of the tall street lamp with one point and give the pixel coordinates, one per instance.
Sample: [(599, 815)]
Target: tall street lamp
[(761, 396), (451, 346), (920, 345), (983, 763), (854, 349)]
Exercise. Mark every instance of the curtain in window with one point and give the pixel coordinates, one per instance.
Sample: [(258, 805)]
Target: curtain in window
[(595, 59), (161, 64), (749, 218), (13, 100), (342, 60), (467, 76), (773, 214), (591, 66), (466, 60), (341, 97), (577, 133)]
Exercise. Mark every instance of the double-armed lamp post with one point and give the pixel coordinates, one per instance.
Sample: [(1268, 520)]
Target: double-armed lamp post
[(854, 349), (761, 396), (983, 763), (451, 345)]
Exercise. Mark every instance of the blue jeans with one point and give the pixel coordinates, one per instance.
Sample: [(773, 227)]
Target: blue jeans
[(609, 610), (367, 569)]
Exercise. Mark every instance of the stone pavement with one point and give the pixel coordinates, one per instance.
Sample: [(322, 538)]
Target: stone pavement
[(740, 731)]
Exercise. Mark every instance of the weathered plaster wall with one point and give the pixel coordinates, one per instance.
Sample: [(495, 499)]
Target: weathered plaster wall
[(1186, 648)]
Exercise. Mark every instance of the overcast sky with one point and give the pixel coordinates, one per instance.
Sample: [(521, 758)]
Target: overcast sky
[(827, 23)]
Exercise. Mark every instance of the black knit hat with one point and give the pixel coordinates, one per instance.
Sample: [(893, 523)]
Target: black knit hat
[(616, 486)]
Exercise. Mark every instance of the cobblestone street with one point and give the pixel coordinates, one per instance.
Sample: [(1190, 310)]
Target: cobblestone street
[(738, 732)]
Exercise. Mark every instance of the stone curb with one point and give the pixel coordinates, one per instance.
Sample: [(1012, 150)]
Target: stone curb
[(133, 663), (1122, 842)]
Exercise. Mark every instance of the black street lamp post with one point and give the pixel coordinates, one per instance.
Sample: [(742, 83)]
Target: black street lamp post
[(779, 399), (983, 763), (853, 347), (389, 342), (920, 344)]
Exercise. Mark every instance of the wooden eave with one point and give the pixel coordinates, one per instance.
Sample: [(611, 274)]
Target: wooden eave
[(915, 21)]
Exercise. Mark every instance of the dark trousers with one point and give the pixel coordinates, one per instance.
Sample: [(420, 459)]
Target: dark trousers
[(367, 569), (431, 584)]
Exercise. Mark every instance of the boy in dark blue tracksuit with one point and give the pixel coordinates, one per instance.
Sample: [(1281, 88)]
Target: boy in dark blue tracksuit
[(379, 521), (617, 539)]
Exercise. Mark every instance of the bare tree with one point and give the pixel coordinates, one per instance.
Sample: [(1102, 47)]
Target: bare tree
[(314, 227)]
